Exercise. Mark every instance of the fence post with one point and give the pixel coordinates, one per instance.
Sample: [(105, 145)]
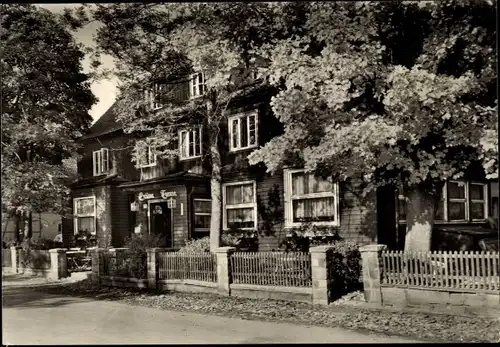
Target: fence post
[(14, 258), (224, 269), (319, 275), (58, 264), (371, 258), (97, 264), (153, 266)]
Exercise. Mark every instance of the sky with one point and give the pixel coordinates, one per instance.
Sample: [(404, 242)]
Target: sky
[(104, 90)]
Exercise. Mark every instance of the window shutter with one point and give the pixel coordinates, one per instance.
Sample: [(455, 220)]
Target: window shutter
[(95, 163)]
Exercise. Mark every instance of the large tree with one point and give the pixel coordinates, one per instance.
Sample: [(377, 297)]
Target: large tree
[(400, 93), (45, 103), (162, 44)]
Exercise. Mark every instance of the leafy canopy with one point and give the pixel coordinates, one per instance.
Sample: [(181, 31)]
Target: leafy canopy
[(45, 103)]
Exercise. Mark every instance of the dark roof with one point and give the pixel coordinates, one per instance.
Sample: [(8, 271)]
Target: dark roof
[(94, 181), (106, 124), (178, 176)]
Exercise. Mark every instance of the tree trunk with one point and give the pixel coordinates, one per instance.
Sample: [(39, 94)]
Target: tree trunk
[(420, 213), (216, 178)]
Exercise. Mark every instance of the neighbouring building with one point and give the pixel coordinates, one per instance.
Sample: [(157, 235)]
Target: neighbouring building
[(115, 197)]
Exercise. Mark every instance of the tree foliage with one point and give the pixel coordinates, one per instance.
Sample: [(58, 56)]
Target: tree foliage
[(45, 103)]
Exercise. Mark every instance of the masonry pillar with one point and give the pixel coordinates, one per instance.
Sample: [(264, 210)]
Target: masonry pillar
[(97, 264), (319, 274), (14, 258), (371, 258), (58, 264), (153, 265), (224, 269)]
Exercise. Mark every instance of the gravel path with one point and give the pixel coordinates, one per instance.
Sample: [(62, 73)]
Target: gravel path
[(424, 326)]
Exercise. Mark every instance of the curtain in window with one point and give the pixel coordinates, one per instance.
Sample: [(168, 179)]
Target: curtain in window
[(85, 224), (239, 194), (317, 209), (307, 183), (84, 206), (241, 217)]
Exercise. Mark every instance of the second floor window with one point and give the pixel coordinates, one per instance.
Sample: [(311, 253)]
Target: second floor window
[(197, 85), (153, 96), (190, 143), (100, 161), (460, 202), (243, 131), (147, 158)]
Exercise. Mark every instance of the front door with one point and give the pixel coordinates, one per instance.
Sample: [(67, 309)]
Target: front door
[(161, 221)]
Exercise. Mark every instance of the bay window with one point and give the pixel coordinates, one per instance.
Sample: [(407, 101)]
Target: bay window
[(310, 199), (84, 215), (240, 205), (243, 130), (190, 143)]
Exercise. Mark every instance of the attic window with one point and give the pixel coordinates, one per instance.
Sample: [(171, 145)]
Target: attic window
[(197, 85), (153, 97)]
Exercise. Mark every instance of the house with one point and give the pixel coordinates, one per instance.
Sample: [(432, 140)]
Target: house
[(115, 197)]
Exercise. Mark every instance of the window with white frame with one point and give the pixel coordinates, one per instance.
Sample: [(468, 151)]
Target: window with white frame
[(84, 214), (153, 96), (190, 143), (100, 161), (460, 202), (243, 130), (310, 199), (240, 205), (147, 158), (197, 85), (202, 210)]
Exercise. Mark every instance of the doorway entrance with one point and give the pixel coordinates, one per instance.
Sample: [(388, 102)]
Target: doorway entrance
[(160, 221)]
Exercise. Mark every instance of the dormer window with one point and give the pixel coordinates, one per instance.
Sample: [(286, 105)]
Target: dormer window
[(197, 85), (190, 143), (100, 161), (152, 97), (147, 158)]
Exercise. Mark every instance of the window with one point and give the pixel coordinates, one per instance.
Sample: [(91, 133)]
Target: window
[(100, 161), (148, 157), (154, 96), (243, 131), (197, 85), (84, 214), (240, 207), (310, 199), (460, 202), (202, 209), (190, 143)]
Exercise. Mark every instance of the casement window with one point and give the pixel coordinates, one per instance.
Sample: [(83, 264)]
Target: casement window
[(310, 199), (153, 96), (84, 214), (243, 130), (147, 158), (202, 212), (100, 161), (190, 143), (239, 205), (460, 202), (197, 85)]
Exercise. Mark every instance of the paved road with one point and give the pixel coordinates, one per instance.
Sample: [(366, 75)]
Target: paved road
[(31, 317)]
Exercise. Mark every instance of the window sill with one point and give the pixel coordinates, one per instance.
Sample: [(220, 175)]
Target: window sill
[(320, 224), (146, 166), (234, 150), (101, 174), (190, 158), (453, 222)]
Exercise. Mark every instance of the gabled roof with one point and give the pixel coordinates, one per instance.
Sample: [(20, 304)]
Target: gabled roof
[(106, 124)]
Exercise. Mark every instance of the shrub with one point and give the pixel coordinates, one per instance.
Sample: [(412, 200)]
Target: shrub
[(134, 263), (196, 245), (38, 243), (344, 264), (203, 244)]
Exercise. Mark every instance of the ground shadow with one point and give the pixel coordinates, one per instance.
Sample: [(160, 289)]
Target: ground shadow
[(27, 297)]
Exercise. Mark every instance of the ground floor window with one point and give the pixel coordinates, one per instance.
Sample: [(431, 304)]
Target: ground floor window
[(310, 199), (202, 212), (460, 201), (240, 205), (84, 215)]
